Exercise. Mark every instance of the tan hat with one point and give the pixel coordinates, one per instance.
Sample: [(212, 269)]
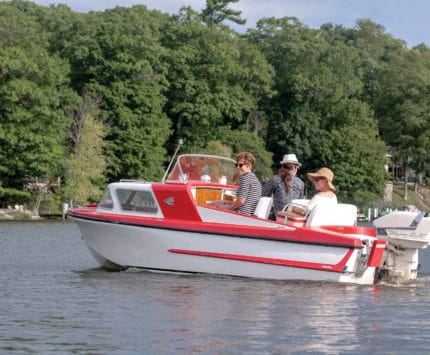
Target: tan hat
[(290, 159), (324, 173)]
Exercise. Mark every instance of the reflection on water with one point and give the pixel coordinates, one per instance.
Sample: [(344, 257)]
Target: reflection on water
[(56, 299)]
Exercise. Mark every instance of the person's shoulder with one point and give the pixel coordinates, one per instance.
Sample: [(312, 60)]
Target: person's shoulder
[(298, 180), (270, 181), (272, 178), (330, 194), (324, 196), (318, 196), (250, 176), (254, 177), (275, 180)]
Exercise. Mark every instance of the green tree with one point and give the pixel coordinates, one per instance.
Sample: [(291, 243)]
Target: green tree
[(293, 51), (217, 11), (33, 95), (355, 153), (116, 55), (245, 141), (402, 106), (217, 148), (215, 79), (86, 165), (318, 112)]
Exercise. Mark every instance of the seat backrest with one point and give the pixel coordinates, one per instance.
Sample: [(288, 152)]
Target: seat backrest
[(340, 214), (263, 207)]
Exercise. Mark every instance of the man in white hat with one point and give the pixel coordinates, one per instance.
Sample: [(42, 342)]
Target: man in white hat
[(285, 186)]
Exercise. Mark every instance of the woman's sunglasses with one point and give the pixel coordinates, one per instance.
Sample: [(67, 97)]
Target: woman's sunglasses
[(239, 165)]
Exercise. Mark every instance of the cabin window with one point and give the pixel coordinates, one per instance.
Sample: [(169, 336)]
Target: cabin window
[(106, 201), (140, 201)]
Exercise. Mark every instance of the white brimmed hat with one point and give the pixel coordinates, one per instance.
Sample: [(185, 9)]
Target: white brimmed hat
[(290, 159)]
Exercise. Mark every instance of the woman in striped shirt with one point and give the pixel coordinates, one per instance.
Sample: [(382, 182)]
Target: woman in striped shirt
[(249, 191)]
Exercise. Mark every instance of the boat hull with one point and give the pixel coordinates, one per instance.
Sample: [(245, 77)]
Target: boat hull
[(121, 245)]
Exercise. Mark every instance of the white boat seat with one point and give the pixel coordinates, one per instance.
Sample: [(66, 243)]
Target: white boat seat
[(340, 214), (263, 207)]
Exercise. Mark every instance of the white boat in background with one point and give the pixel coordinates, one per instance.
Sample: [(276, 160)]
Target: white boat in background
[(171, 226)]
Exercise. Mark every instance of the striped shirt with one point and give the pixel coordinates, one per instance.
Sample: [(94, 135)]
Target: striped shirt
[(250, 190)]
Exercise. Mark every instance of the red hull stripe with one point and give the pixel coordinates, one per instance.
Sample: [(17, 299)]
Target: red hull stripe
[(283, 262)]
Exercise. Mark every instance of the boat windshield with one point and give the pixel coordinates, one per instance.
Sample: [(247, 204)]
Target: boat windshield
[(201, 167)]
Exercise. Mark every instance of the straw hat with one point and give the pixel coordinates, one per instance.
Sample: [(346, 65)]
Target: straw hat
[(290, 159), (324, 173)]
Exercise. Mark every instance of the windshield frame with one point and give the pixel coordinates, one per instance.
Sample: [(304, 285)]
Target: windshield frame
[(203, 167)]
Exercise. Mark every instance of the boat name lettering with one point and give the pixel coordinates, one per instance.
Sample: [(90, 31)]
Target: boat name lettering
[(406, 234)]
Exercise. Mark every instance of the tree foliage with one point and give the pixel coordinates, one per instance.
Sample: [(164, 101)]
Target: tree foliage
[(217, 11), (335, 96), (85, 166), (34, 92), (209, 84), (318, 111)]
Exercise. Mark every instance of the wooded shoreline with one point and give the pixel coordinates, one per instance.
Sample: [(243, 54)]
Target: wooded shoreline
[(89, 98)]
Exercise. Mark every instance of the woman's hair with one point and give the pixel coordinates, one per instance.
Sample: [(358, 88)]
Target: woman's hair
[(248, 158), (287, 178)]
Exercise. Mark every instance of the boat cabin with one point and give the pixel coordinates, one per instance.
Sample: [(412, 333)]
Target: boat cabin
[(199, 180), (208, 178)]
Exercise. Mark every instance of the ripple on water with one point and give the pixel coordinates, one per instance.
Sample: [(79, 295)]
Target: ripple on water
[(55, 298)]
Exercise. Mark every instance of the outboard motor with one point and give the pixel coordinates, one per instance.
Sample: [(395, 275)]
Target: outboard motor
[(405, 233)]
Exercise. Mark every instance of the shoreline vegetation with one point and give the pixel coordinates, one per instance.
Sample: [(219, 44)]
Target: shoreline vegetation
[(419, 201), (10, 215), (13, 214), (19, 213)]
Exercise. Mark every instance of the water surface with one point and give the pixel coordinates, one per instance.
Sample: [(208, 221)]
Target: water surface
[(55, 299)]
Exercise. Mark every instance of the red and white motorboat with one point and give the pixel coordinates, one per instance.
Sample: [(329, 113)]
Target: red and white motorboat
[(170, 226)]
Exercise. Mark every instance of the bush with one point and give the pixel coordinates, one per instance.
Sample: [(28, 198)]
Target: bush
[(10, 197)]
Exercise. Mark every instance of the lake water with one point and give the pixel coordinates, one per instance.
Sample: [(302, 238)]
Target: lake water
[(55, 299)]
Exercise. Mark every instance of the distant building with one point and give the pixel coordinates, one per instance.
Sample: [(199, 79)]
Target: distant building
[(397, 171)]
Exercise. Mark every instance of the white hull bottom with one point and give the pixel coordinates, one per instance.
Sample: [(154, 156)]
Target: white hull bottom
[(118, 246)]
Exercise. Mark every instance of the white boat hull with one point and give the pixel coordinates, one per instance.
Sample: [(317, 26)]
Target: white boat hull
[(120, 246)]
